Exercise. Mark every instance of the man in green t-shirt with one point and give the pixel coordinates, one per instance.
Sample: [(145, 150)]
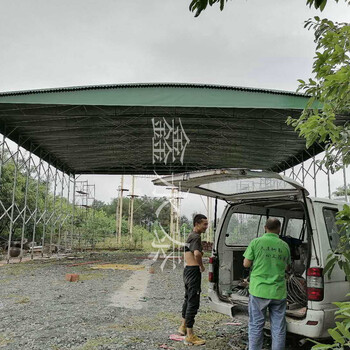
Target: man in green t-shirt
[(270, 257)]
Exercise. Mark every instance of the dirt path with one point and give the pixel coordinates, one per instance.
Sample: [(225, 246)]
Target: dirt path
[(132, 293)]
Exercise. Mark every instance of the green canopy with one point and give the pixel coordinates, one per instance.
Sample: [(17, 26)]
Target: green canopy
[(143, 128)]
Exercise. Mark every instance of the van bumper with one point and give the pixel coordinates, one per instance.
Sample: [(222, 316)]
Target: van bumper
[(218, 305), (324, 318)]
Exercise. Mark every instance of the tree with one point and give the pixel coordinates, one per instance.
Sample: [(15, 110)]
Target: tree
[(198, 6), (98, 205), (329, 92), (340, 191), (6, 192)]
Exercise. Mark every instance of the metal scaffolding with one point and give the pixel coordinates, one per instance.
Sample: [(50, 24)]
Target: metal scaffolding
[(36, 207), (84, 199), (317, 178)]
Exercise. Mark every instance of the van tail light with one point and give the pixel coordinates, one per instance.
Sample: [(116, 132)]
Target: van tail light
[(212, 266), (315, 286)]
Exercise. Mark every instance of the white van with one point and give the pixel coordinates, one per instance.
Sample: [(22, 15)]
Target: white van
[(308, 226)]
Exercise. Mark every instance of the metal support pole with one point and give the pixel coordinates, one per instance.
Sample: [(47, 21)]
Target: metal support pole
[(315, 174), (131, 220), (120, 210), (67, 214), (13, 202), (25, 204), (2, 154), (45, 210), (61, 219), (73, 212), (36, 208), (53, 221), (345, 183), (303, 172)]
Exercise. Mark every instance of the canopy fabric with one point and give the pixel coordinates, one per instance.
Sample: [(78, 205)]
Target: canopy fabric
[(162, 128)]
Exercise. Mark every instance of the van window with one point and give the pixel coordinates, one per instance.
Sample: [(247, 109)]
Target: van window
[(296, 228), (331, 227), (243, 228)]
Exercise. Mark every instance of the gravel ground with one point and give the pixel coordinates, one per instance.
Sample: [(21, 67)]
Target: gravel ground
[(41, 310)]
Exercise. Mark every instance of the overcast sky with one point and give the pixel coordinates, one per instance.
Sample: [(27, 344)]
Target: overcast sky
[(251, 43)]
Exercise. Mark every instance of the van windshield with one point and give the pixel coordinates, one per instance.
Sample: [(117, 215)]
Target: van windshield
[(243, 228)]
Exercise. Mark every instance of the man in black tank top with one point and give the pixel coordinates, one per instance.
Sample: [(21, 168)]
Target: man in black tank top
[(192, 279)]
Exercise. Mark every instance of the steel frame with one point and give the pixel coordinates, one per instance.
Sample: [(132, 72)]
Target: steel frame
[(43, 201), (38, 202)]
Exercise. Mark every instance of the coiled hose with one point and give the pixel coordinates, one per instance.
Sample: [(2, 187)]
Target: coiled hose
[(296, 290)]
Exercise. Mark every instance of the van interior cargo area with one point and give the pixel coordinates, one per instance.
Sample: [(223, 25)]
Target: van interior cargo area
[(246, 221)]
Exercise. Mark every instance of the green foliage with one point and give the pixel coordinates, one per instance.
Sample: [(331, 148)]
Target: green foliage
[(340, 191), (6, 192), (329, 91), (320, 4), (342, 254), (330, 97), (198, 6), (341, 333), (98, 225), (145, 209)]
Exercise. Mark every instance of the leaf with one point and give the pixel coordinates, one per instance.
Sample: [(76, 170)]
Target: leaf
[(336, 336), (345, 332), (322, 346), (330, 266), (323, 5), (222, 4)]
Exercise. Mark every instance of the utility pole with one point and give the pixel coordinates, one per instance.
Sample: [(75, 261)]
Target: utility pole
[(117, 214), (177, 216), (120, 208), (131, 207), (172, 213), (208, 216), (174, 220)]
